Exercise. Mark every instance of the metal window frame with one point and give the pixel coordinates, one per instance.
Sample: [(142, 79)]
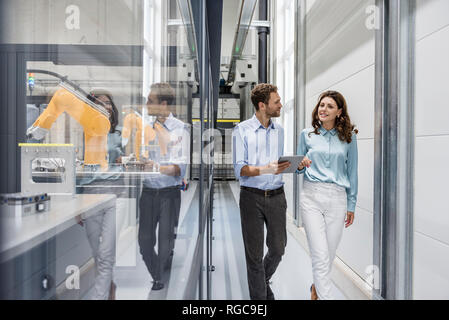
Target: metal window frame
[(208, 93), (202, 62), (300, 93), (394, 149)]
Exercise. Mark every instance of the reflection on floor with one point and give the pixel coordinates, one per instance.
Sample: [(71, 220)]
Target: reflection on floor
[(131, 275), (229, 280), (293, 277)]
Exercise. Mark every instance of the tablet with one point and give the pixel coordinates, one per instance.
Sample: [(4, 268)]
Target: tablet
[(294, 162)]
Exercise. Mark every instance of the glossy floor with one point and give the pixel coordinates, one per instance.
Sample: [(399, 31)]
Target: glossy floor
[(229, 281)]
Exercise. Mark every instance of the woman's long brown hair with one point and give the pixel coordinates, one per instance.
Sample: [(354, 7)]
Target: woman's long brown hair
[(343, 123)]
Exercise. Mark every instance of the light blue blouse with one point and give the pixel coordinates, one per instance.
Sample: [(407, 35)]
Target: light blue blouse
[(333, 161)]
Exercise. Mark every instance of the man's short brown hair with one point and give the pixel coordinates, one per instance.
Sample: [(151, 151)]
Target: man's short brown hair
[(261, 93), (164, 92)]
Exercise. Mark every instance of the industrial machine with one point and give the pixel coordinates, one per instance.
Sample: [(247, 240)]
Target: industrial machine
[(23, 204), (134, 120), (84, 108), (49, 167)]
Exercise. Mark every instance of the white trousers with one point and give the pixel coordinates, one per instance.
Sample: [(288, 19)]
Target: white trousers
[(323, 209), (100, 229)]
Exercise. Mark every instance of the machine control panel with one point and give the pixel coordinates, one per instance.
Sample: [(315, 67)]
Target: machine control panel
[(23, 204)]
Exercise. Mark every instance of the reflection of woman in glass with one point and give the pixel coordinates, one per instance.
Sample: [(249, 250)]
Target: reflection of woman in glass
[(100, 227), (115, 148), (329, 193)]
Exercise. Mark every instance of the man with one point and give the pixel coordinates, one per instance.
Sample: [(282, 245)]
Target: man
[(161, 195), (258, 144)]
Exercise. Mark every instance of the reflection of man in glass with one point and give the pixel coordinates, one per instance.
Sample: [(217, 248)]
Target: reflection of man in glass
[(161, 195)]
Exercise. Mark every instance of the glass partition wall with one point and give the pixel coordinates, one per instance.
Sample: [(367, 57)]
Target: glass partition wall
[(102, 94)]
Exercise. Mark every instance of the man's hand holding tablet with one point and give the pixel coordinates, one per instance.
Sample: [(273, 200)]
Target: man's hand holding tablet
[(275, 167), (294, 162)]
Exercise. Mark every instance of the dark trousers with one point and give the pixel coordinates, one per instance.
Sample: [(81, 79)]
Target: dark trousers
[(255, 211), (158, 207)]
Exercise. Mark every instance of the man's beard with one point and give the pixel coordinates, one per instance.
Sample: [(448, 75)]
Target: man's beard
[(273, 114)]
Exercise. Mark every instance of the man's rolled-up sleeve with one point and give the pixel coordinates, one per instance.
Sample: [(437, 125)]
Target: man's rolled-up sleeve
[(239, 151), (181, 155), (185, 152)]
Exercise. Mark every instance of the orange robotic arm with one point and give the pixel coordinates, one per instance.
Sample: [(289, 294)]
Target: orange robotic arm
[(95, 123), (134, 121)]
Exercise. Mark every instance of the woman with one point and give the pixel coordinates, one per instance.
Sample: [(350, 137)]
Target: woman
[(330, 184), (100, 227), (115, 147)]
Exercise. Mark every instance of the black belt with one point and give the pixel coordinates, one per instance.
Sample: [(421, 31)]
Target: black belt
[(173, 188), (265, 193)]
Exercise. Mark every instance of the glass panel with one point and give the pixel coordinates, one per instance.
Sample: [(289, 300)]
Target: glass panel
[(114, 81), (48, 170)]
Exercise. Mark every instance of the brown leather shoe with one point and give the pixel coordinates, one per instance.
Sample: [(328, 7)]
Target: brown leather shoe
[(313, 294), (112, 291)]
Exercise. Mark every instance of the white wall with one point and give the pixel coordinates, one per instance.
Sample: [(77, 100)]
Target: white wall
[(44, 21), (340, 56), (431, 209), (101, 22)]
